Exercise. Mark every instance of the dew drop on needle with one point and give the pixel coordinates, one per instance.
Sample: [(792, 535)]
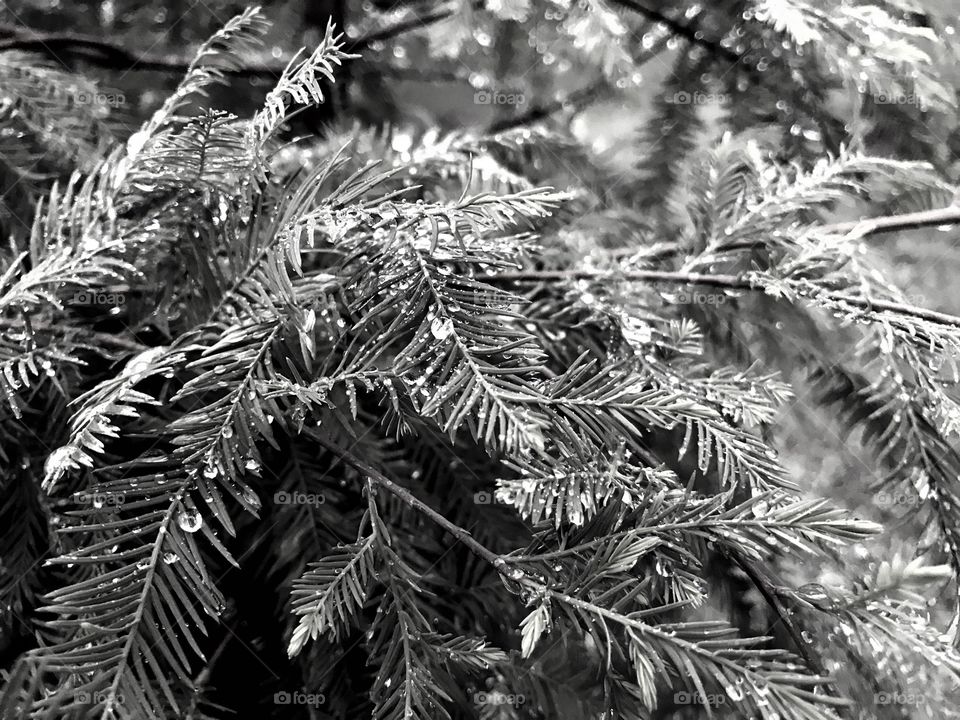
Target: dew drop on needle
[(189, 520)]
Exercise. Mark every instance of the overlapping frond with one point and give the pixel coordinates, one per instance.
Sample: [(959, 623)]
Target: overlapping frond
[(865, 45), (301, 84), (466, 360), (222, 51), (63, 114), (331, 593)]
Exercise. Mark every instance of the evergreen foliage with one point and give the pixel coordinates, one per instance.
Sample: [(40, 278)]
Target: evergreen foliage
[(492, 424)]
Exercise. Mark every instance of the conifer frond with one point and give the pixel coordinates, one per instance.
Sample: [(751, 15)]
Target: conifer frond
[(584, 403), (440, 164), (750, 528), (224, 50), (910, 449), (572, 491), (57, 109), (207, 154), (600, 34), (20, 369), (64, 255), (741, 200), (406, 687), (150, 549), (116, 651), (115, 397), (466, 362), (23, 542), (300, 84), (871, 618), (863, 45), (427, 400), (331, 593), (708, 655)]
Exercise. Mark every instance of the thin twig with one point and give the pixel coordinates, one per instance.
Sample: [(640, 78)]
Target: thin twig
[(500, 562), (86, 336), (203, 678), (117, 341), (865, 227), (725, 282), (880, 225), (892, 223), (681, 30), (691, 33), (106, 54), (763, 587), (576, 98), (461, 534), (542, 112)]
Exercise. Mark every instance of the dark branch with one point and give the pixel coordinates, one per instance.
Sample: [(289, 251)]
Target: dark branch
[(111, 56), (542, 112), (892, 223), (805, 96), (681, 30), (413, 501), (763, 586), (874, 226), (724, 282)]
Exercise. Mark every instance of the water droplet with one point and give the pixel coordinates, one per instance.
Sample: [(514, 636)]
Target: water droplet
[(250, 497), (664, 568), (189, 520), (441, 328)]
